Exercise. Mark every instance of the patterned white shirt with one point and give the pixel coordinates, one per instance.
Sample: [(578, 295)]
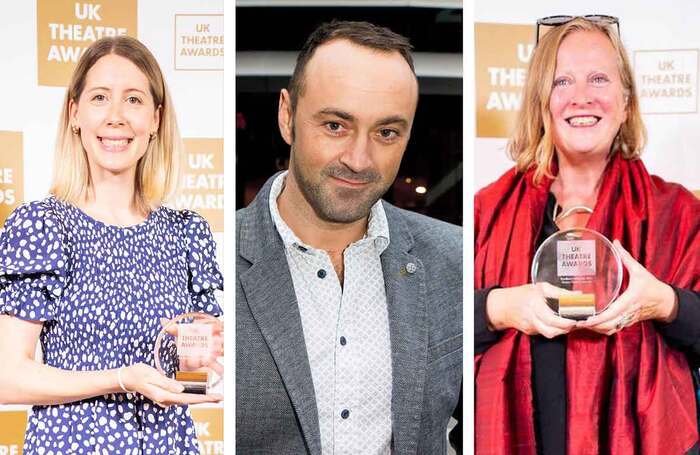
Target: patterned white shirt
[(346, 330)]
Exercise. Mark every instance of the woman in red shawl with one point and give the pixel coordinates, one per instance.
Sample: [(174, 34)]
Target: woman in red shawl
[(620, 382)]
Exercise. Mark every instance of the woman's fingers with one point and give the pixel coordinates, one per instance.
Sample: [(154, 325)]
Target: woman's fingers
[(170, 329), (219, 328), (553, 292), (217, 367), (164, 397), (547, 322), (219, 345), (622, 313), (165, 383), (165, 391), (545, 314), (627, 260), (196, 362), (192, 398), (620, 306), (548, 315), (142, 376)]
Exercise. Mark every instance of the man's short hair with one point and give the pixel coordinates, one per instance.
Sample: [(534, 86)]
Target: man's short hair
[(360, 33)]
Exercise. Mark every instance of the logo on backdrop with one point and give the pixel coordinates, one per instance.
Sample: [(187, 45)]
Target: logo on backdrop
[(209, 426), (203, 185), (501, 58), (11, 173), (667, 81), (199, 42), (66, 27), (13, 424)]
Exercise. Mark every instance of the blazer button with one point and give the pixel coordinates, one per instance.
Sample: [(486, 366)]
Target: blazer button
[(321, 273), (345, 414), (411, 268)]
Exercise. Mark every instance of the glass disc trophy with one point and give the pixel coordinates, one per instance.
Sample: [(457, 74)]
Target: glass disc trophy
[(185, 350), (580, 260)]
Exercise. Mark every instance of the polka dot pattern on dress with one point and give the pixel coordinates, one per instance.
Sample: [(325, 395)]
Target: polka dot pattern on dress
[(101, 292)]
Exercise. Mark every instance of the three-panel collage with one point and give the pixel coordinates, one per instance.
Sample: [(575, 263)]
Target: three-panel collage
[(430, 227)]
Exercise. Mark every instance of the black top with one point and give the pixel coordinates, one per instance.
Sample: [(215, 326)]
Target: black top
[(549, 355)]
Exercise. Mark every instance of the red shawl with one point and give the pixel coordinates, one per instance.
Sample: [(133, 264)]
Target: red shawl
[(627, 393)]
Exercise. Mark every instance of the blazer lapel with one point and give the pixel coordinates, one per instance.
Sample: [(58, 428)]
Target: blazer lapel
[(269, 292), (409, 334)]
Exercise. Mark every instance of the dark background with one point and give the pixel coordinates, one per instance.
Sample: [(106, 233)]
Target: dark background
[(433, 158)]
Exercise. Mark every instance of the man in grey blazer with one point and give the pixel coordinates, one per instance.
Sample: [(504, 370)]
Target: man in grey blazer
[(348, 309)]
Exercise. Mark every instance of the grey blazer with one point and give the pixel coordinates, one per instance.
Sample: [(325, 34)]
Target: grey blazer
[(275, 404)]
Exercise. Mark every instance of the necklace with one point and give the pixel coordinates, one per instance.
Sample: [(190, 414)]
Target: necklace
[(569, 211)]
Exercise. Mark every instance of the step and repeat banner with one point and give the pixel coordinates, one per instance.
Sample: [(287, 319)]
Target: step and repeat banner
[(42, 41), (663, 46)]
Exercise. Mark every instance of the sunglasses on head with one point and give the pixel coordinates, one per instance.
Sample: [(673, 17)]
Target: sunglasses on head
[(556, 21)]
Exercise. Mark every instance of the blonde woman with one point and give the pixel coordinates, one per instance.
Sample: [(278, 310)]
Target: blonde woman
[(621, 381), (90, 271)]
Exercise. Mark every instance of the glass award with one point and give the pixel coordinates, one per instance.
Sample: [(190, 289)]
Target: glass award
[(582, 261), (186, 350)]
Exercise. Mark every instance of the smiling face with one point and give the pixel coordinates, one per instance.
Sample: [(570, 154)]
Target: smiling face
[(350, 129), (116, 116), (587, 102)]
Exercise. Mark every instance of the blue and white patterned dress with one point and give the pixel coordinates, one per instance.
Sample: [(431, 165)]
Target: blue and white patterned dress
[(101, 292)]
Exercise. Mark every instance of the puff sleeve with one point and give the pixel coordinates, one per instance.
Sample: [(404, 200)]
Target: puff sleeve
[(204, 274), (34, 263)]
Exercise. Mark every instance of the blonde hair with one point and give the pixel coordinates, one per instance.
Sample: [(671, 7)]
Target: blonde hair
[(531, 145), (158, 171)]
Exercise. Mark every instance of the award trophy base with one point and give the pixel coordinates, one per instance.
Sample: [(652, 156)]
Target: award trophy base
[(194, 381), (577, 307)]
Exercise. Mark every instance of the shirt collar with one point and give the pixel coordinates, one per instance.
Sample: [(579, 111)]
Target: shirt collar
[(377, 226)]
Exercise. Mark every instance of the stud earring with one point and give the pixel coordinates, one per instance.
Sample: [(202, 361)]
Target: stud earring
[(75, 129), (153, 135)]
